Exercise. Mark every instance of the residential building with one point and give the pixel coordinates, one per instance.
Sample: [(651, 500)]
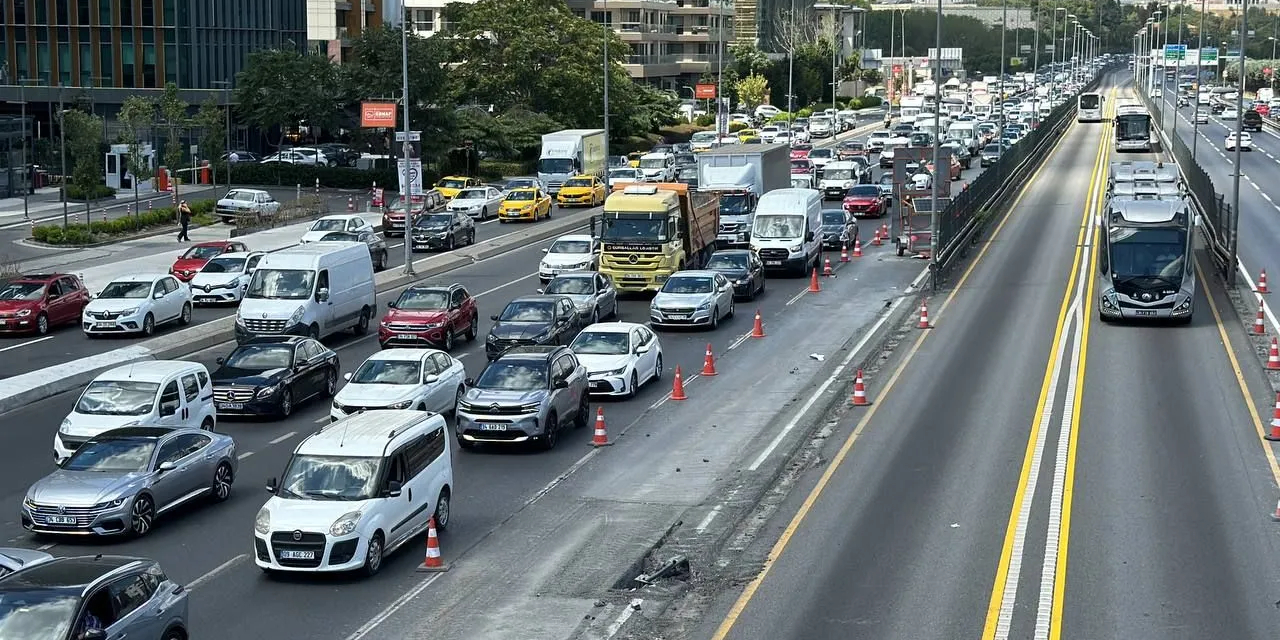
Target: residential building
[(333, 24)]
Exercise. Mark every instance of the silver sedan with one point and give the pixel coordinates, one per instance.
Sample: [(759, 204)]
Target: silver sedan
[(692, 298), (593, 294)]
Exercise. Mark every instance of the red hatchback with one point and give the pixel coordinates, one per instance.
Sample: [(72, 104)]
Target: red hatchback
[(186, 267), (865, 200), (429, 316), (802, 166), (35, 303), (800, 151)]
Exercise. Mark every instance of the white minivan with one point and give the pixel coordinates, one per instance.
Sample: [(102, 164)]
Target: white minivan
[(787, 232), (156, 393), (354, 492), (316, 289)]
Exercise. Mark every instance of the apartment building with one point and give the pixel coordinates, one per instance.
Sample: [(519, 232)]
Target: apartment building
[(332, 25)]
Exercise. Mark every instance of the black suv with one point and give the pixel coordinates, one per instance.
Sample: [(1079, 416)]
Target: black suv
[(533, 320), (1251, 120), (529, 393), (339, 153)]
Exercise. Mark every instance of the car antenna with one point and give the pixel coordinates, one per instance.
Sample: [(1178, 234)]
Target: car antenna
[(342, 440)]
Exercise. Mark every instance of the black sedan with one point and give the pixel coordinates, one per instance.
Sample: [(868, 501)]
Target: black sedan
[(743, 268), (533, 320), (443, 231), (839, 229), (271, 375)]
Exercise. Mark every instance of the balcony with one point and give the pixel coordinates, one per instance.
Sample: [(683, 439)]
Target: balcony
[(643, 27), (704, 33), (703, 7)]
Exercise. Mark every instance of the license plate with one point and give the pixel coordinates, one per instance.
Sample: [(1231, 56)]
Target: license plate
[(678, 316), (231, 405), (104, 325), (60, 519), (490, 426), (1144, 312), (633, 276), (406, 336), (773, 263), (206, 299), (286, 554)]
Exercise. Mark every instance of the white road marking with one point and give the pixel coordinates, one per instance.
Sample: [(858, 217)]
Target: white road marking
[(216, 570), (663, 400), (284, 437), (706, 522), (616, 626), (244, 455), (322, 420), (27, 343), (395, 246), (490, 221), (392, 608), (742, 338), (507, 284), (46, 547)]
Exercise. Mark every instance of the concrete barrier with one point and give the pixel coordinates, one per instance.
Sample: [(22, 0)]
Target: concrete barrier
[(33, 386)]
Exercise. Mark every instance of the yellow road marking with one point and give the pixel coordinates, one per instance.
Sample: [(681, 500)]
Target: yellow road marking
[(740, 605)]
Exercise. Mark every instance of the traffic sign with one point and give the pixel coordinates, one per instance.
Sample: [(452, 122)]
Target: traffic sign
[(1209, 54), (1175, 51)]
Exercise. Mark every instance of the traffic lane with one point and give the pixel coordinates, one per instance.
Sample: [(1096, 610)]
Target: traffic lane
[(904, 539), (497, 482), (1171, 483), (31, 353)]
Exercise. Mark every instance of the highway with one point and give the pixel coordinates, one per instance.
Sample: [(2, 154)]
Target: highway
[(1025, 471)]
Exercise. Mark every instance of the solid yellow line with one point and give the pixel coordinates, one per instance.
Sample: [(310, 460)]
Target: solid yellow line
[(740, 605), (1006, 551)]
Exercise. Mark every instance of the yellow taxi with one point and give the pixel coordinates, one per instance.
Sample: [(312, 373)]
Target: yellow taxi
[(449, 186), (744, 134), (585, 190), (526, 203), (633, 158)]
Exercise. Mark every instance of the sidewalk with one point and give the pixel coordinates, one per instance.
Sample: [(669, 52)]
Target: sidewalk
[(45, 204)]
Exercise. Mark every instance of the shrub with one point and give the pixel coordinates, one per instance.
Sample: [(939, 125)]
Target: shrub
[(705, 120), (496, 169), (804, 113), (735, 127), (102, 230), (52, 235), (331, 177), (98, 192)]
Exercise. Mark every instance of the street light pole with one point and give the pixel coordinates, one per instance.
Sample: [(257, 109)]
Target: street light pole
[(605, 25), (1235, 176), (407, 195), (62, 158), (936, 178), (791, 67), (1035, 65), (226, 104), (722, 120), (1195, 122), (26, 169), (1004, 24)]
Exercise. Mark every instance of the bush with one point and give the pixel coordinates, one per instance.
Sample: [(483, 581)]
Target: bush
[(804, 113), (735, 127), (497, 169), (103, 230), (98, 192), (330, 177), (705, 120)]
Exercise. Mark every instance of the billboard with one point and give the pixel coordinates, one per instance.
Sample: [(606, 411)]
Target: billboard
[(704, 91), (377, 114)]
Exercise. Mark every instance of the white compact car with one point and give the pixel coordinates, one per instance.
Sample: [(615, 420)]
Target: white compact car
[(619, 357), (1244, 141), (223, 279), (478, 202), (417, 379), (348, 222), (579, 252), (137, 304)]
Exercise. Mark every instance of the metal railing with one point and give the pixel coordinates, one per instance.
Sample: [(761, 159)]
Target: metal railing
[(304, 207)]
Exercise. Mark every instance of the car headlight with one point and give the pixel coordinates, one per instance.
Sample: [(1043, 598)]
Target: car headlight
[(111, 503), (704, 306), (339, 406), (400, 405), (297, 315), (1186, 305), (24, 313), (345, 524), (614, 372), (128, 312), (66, 426), (743, 280), (795, 248), (434, 325), (266, 392), (490, 338), (262, 523)]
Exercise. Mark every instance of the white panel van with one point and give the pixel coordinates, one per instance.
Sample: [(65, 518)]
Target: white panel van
[(787, 232), (316, 290)]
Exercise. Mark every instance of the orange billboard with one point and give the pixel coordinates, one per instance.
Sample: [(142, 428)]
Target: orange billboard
[(378, 114), (704, 91)]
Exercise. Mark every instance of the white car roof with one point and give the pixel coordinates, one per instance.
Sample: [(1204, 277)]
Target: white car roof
[(149, 371), (368, 434), (575, 237), (341, 216), (401, 354), (139, 277), (612, 327), (696, 273)]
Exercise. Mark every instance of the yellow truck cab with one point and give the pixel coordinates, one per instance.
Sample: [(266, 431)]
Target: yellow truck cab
[(650, 231), (585, 190), (449, 186), (525, 203)]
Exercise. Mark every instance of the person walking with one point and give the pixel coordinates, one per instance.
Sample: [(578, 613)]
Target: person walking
[(184, 219)]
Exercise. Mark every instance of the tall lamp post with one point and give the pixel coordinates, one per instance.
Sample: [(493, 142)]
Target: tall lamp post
[(1195, 124), (408, 145), (26, 168), (1235, 175), (226, 104), (605, 25), (791, 67), (935, 179), (62, 157), (838, 11), (1053, 50), (1004, 24)]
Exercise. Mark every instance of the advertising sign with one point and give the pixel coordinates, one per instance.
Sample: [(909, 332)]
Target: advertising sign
[(413, 176), (704, 91), (377, 114)]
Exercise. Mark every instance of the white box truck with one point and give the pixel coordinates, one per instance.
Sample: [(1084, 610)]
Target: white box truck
[(570, 153), (741, 173)]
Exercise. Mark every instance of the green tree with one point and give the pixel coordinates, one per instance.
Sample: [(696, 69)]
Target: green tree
[(211, 122), (753, 91), (279, 89), (136, 117), (84, 139), (173, 114)]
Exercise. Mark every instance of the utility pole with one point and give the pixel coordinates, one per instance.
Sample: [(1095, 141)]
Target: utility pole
[(1035, 65), (605, 24), (791, 68), (936, 179), (722, 116), (62, 158), (1004, 24), (1195, 124), (407, 194), (1235, 176), (26, 168)]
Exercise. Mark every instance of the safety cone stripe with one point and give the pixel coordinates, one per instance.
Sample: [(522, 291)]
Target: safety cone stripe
[(709, 363), (1262, 282), (857, 249), (1275, 421), (1259, 324), (844, 254), (860, 391), (433, 562), (757, 328), (601, 437), (677, 387), (826, 267), (1273, 358), (1276, 516), (814, 287), (924, 315)]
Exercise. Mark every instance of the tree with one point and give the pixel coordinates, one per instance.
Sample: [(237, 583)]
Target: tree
[(136, 117), (279, 89), (753, 90), (173, 113), (373, 72), (211, 121), (84, 138)]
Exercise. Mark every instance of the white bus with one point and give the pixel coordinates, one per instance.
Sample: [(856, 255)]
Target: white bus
[(1133, 126), (1089, 107)]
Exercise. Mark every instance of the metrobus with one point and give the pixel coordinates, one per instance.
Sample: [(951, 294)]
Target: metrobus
[(1089, 107), (1133, 126), (1144, 259)]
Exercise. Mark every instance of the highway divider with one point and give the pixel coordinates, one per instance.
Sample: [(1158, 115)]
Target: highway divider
[(24, 389)]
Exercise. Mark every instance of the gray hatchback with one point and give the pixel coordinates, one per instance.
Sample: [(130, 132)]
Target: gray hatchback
[(527, 394)]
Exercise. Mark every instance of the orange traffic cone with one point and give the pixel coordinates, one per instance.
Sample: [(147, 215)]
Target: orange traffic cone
[(433, 563), (1262, 282), (924, 315), (857, 248), (884, 230), (351, 203), (1273, 359), (677, 387), (709, 362), (601, 437), (826, 268), (1259, 326), (757, 329), (876, 241), (814, 287), (859, 391), (1275, 421), (844, 253), (1275, 517)]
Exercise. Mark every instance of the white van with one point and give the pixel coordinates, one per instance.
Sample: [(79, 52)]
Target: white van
[(355, 491), (787, 232), (316, 290), (658, 167), (157, 393), (966, 132)]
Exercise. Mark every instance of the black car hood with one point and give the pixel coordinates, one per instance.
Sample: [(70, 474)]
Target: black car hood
[(732, 274), (507, 330), (248, 377)]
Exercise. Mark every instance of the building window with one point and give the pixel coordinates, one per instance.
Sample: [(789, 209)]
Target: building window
[(148, 12), (63, 12), (104, 13), (171, 63), (424, 20), (602, 17), (149, 65), (169, 13), (82, 12), (42, 12), (43, 68), (86, 65), (107, 63), (126, 13), (20, 11), (24, 60), (126, 65), (64, 63)]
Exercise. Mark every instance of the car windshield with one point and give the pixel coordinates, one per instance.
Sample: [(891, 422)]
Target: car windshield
[(727, 262), (703, 136), (555, 165), (127, 455), (520, 195), (528, 311), (281, 284), (220, 265), (688, 284), (387, 372), (621, 229), (452, 183), (864, 191), (201, 253), (133, 290), (570, 246), (833, 218), (22, 291), (424, 299), (778, 227), (842, 173), (820, 153), (433, 221), (37, 614), (653, 163), (340, 236), (1147, 252), (601, 343), (521, 183), (622, 174), (471, 194), (340, 478), (572, 286), (241, 196), (801, 164), (401, 204), (329, 224), (260, 357), (802, 147), (117, 398), (514, 375), (577, 182), (991, 148)]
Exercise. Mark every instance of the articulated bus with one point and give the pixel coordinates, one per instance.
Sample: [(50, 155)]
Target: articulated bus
[(1133, 126), (1089, 107)]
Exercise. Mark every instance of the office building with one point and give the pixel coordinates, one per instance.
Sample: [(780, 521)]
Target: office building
[(332, 25)]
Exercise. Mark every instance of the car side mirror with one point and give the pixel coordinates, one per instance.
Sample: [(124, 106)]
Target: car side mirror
[(391, 304), (221, 360), (494, 317), (166, 466), (544, 250), (322, 295), (168, 409), (272, 485), (808, 236), (430, 378), (158, 295), (347, 376), (644, 348), (93, 634), (393, 489), (302, 364), (470, 382), (560, 384), (542, 290)]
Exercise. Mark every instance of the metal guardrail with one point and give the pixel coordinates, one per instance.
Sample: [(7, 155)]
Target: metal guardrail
[(305, 207)]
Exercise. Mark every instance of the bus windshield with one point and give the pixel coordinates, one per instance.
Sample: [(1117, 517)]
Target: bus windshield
[(1133, 127), (1089, 101)]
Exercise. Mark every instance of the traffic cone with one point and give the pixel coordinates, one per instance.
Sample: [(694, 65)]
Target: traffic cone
[(860, 391), (884, 230), (1275, 421), (1273, 359), (757, 329), (924, 315), (351, 203), (1262, 282), (1275, 517), (875, 242), (677, 387), (1259, 326), (433, 563), (844, 253), (826, 268), (857, 248), (814, 287), (601, 437), (709, 362)]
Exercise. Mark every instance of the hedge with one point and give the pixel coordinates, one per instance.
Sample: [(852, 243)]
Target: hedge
[(283, 174), (103, 230), (498, 169), (98, 192)]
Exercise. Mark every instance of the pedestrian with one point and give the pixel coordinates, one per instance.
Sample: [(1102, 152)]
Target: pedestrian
[(184, 219)]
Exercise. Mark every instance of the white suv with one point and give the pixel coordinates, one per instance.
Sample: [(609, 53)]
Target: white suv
[(356, 491)]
